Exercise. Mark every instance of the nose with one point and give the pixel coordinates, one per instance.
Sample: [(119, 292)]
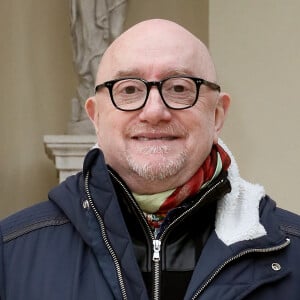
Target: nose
[(155, 110)]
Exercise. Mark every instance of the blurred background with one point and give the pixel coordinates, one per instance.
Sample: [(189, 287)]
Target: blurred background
[(256, 48)]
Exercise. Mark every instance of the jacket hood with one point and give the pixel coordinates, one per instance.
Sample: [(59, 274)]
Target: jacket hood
[(69, 196)]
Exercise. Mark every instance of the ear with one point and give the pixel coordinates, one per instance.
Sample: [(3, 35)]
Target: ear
[(221, 113), (92, 112)]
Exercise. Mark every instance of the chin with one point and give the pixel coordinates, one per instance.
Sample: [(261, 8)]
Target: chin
[(156, 168)]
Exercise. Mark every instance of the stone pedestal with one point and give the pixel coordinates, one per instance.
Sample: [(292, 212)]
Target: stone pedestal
[(68, 151)]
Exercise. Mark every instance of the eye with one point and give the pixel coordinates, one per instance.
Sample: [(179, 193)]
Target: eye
[(179, 85), (178, 88), (130, 89)]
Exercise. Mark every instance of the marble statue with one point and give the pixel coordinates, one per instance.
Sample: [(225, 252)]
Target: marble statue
[(94, 25)]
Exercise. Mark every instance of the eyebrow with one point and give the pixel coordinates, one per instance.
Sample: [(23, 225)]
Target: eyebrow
[(138, 73), (127, 73)]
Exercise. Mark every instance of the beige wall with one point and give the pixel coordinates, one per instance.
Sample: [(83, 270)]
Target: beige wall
[(255, 45), (192, 14), (36, 85)]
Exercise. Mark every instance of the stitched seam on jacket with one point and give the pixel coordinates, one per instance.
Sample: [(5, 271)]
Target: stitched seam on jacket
[(27, 229), (290, 229)]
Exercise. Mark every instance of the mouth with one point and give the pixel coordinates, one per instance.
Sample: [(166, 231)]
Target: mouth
[(163, 138), (160, 135), (153, 137)]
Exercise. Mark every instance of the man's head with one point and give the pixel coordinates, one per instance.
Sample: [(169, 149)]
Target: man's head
[(156, 148)]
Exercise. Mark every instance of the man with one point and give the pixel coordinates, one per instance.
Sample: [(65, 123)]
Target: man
[(159, 211)]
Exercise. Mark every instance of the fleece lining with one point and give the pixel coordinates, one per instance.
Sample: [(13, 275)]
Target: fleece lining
[(237, 217)]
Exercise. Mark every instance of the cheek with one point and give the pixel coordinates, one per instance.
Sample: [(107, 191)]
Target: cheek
[(110, 128), (201, 128), (206, 111), (203, 115), (103, 130)]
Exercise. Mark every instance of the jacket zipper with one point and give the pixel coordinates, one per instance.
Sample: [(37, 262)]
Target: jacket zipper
[(157, 242), (106, 240), (156, 268), (239, 255)]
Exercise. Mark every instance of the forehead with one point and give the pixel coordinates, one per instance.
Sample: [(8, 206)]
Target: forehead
[(153, 54)]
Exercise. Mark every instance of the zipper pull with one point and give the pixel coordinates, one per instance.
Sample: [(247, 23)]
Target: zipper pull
[(156, 250)]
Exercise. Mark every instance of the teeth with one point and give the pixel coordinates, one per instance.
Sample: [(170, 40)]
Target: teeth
[(151, 139)]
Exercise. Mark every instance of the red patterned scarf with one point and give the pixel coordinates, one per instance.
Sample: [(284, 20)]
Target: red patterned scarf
[(204, 174)]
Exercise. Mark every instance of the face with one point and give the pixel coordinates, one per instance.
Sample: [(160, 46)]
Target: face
[(156, 148)]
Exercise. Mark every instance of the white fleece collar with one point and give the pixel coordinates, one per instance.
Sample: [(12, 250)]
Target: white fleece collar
[(237, 217)]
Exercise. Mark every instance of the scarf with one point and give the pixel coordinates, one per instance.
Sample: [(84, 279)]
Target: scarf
[(216, 161)]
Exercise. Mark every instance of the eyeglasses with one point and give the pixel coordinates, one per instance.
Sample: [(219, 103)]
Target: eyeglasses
[(177, 92)]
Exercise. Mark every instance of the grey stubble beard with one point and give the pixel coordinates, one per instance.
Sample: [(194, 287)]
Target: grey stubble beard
[(157, 171)]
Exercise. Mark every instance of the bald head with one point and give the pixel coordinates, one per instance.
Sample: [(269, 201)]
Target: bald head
[(155, 46)]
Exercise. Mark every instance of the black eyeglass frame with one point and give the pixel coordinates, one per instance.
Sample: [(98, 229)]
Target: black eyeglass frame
[(149, 84)]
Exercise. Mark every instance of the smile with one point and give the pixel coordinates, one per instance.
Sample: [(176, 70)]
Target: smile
[(161, 138)]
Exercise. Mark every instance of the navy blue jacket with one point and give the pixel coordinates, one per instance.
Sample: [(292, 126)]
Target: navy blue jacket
[(66, 249)]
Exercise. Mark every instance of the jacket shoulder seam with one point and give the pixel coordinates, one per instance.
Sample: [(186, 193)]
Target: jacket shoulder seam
[(289, 229), (56, 221)]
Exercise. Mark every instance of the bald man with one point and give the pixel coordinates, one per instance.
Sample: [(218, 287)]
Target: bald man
[(159, 210)]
